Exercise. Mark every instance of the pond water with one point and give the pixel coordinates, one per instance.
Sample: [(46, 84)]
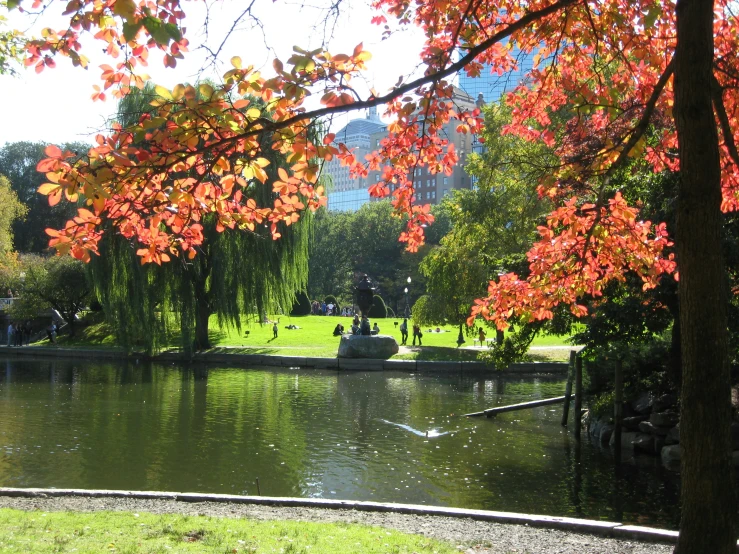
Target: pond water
[(380, 436)]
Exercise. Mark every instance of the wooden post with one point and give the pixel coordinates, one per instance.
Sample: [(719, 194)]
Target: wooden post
[(568, 388), (618, 408), (578, 395)]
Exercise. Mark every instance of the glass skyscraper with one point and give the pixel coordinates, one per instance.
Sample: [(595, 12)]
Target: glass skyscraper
[(493, 86)]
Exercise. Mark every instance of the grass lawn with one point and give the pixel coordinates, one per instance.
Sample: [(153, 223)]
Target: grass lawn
[(124, 532), (314, 338)]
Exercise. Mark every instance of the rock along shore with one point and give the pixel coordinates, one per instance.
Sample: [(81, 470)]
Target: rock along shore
[(472, 531)]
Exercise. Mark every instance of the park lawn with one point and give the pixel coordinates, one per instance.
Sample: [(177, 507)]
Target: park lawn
[(125, 532), (313, 338)]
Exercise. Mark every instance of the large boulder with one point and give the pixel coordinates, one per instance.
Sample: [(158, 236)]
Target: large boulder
[(664, 419), (644, 442), (643, 403), (671, 456), (652, 429), (368, 346), (664, 402), (627, 439), (673, 435), (605, 433), (633, 421)]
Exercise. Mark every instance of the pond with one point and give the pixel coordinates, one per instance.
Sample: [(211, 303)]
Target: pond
[(381, 436)]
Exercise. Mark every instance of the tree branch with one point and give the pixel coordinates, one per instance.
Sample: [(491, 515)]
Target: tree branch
[(723, 118)]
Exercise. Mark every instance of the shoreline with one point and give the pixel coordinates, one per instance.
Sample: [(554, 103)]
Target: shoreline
[(303, 362), (479, 531)]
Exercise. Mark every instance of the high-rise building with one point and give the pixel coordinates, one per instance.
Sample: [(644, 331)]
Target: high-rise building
[(365, 136), (356, 135), (492, 86)]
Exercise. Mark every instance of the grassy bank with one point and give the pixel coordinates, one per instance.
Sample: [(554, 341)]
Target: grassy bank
[(34, 532), (313, 337)]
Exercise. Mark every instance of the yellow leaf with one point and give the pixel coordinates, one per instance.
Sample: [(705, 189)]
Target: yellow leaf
[(236, 62), (125, 8), (48, 188), (206, 91), (163, 92), (178, 92)]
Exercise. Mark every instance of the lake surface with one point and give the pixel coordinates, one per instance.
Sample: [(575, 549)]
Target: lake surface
[(351, 435)]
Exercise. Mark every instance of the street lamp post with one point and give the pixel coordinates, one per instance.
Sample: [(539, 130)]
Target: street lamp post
[(407, 306)]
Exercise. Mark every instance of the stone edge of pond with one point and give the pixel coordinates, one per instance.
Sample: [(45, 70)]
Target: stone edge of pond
[(586, 526), (349, 364)]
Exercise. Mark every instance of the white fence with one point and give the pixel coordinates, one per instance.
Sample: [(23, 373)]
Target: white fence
[(5, 303)]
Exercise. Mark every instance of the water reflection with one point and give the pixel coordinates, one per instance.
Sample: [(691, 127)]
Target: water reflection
[(311, 433)]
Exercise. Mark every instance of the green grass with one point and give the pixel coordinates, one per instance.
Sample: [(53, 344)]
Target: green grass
[(125, 532), (314, 338)]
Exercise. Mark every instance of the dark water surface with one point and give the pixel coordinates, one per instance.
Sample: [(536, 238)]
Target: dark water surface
[(359, 436)]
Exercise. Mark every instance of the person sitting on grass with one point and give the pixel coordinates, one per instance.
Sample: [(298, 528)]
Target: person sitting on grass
[(376, 329), (338, 330)]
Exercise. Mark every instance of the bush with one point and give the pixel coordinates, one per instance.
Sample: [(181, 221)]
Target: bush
[(644, 366), (514, 348), (378, 309), (331, 299), (301, 306)]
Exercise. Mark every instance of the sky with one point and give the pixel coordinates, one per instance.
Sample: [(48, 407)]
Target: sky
[(55, 106)]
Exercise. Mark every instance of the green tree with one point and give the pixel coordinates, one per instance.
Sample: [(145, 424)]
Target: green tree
[(11, 210), (349, 245), (235, 273), (492, 226), (18, 163), (58, 282), (330, 262)]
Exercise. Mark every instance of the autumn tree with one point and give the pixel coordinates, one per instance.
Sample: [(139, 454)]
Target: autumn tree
[(234, 274), (616, 65)]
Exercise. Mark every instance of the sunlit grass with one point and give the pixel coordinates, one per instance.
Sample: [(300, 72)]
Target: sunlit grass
[(314, 338), (125, 532)]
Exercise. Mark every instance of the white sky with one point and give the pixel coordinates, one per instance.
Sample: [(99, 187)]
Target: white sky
[(55, 106)]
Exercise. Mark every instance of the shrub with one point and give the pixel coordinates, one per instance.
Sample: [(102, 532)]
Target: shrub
[(378, 308), (331, 299), (301, 306)]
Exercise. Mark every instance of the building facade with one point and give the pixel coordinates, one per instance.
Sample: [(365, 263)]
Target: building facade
[(365, 136), (492, 86)]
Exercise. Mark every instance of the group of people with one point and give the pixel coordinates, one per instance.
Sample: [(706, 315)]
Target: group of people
[(417, 333), (19, 333), (362, 327), (321, 308)]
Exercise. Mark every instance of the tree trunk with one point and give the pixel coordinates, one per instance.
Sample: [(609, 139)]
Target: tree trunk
[(202, 315), (708, 504)]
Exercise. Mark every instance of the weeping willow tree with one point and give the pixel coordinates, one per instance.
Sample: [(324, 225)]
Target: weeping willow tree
[(234, 274)]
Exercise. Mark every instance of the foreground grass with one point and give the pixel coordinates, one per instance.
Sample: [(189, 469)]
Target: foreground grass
[(314, 338), (126, 532)]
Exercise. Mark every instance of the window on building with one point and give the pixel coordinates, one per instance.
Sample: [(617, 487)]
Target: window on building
[(446, 180), (433, 194), (446, 191), (377, 177)]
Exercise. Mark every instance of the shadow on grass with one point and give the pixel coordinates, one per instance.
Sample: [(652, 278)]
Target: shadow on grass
[(439, 354), (244, 350)]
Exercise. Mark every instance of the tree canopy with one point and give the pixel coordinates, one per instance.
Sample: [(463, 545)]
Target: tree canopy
[(618, 67), (233, 275)]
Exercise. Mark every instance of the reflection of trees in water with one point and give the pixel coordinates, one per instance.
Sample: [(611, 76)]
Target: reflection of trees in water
[(144, 426)]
